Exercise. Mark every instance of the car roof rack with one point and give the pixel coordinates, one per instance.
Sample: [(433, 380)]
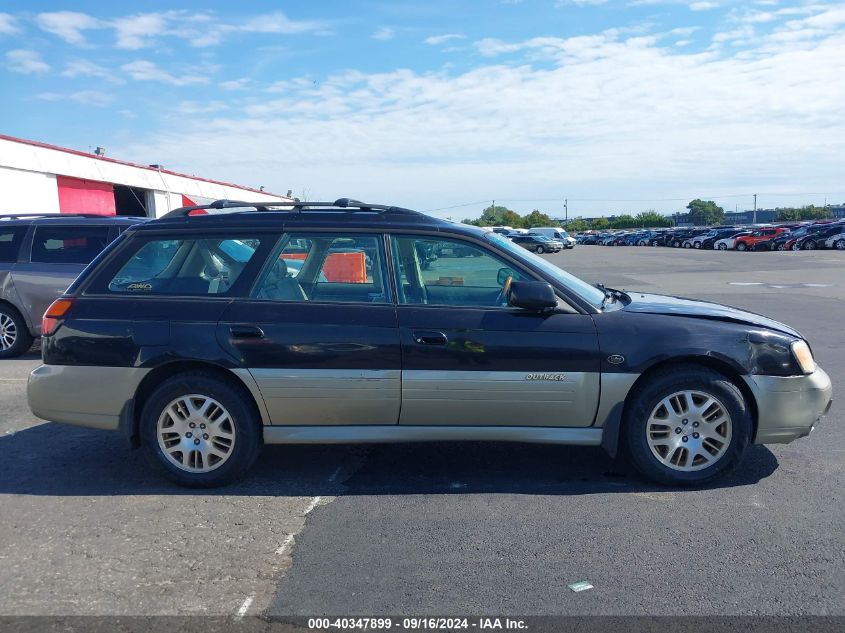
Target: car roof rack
[(346, 205), (22, 216)]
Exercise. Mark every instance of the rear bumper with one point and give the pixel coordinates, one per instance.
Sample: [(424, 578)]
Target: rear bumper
[(789, 407), (84, 396)]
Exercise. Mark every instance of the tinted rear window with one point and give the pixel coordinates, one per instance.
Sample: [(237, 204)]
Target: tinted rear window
[(10, 242), (191, 267), (68, 244)]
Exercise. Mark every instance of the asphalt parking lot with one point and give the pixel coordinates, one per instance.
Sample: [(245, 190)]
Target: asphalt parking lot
[(445, 529)]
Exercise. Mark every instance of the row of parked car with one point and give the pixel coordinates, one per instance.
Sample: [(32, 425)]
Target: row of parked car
[(783, 237), (541, 239)]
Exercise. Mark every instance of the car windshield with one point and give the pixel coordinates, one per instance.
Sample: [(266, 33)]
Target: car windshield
[(588, 292)]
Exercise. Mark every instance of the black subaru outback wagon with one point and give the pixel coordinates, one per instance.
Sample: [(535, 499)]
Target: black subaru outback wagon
[(200, 337)]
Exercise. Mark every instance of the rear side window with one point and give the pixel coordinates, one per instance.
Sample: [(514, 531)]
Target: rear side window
[(68, 244), (10, 242), (193, 267)]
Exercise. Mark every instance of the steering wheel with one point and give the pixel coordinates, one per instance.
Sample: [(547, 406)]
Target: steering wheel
[(502, 299)]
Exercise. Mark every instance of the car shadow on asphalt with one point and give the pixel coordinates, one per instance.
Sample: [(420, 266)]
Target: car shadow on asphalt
[(59, 460)]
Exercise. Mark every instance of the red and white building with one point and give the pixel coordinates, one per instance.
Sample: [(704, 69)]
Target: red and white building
[(40, 178)]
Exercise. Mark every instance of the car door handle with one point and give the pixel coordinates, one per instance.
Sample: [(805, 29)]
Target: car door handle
[(430, 337), (241, 330)]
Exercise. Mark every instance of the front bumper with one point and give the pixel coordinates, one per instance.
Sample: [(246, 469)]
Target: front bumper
[(789, 407)]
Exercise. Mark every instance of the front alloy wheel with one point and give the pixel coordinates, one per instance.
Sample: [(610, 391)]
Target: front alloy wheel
[(840, 245), (723, 246), (686, 425), (809, 245), (689, 430), (15, 338), (540, 250), (741, 246)]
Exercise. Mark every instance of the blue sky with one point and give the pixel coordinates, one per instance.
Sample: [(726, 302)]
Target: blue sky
[(617, 106)]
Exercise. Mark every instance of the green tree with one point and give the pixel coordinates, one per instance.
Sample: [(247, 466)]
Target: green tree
[(623, 222), (809, 212), (574, 226), (705, 212), (536, 218), (601, 224), (652, 218)]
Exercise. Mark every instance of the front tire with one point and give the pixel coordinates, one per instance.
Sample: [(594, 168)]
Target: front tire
[(809, 245), (840, 245), (723, 247), (741, 246), (15, 338), (687, 426), (540, 250), (199, 430)]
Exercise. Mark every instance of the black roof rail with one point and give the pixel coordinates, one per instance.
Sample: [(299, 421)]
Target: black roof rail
[(347, 205), (18, 216)]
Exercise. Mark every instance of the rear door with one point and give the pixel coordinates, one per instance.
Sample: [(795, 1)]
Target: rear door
[(319, 332), (469, 359), (52, 259)]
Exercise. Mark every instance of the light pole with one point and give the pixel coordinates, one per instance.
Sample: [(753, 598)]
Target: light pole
[(754, 216)]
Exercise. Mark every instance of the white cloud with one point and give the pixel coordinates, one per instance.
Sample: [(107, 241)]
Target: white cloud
[(604, 116), (436, 40), (143, 70), (68, 25), (8, 24), (580, 3), (87, 68), (139, 31), (85, 97), (384, 33), (235, 84), (201, 107), (703, 5), (26, 62)]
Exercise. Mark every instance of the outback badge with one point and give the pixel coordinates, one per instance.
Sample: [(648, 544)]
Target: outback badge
[(556, 377)]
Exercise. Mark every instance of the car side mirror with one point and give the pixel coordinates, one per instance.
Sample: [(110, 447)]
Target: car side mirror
[(503, 275), (532, 295)]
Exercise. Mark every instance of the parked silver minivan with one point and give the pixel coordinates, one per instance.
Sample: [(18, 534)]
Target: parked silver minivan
[(40, 255), (554, 233)]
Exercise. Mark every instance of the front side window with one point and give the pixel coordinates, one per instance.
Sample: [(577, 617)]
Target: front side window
[(326, 267), (432, 271), (204, 266), (10, 241), (68, 244)]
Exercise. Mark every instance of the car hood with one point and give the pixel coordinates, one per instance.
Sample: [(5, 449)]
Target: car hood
[(679, 306)]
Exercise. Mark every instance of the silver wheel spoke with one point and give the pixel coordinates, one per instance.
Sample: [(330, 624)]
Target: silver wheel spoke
[(689, 430), (196, 433)]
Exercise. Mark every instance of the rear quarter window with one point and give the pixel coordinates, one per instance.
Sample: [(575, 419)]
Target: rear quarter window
[(185, 266), (68, 244), (10, 242)]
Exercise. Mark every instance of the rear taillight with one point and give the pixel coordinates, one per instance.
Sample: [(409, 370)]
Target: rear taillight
[(57, 311)]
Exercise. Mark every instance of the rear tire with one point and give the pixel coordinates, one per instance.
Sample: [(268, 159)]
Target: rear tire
[(15, 338), (741, 246), (540, 250), (723, 247), (809, 245), (199, 430), (718, 426), (840, 245)]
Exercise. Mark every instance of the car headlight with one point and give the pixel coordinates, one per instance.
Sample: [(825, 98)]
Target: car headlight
[(801, 352)]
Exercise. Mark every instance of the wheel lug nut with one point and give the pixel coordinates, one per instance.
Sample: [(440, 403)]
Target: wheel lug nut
[(678, 430), (189, 434), (695, 424), (685, 438), (193, 426), (197, 441), (695, 435), (202, 426), (205, 436), (685, 421)]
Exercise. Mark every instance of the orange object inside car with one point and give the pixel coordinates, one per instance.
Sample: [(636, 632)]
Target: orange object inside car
[(347, 268)]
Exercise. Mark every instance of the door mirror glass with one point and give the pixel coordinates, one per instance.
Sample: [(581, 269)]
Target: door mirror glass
[(532, 295), (503, 275)]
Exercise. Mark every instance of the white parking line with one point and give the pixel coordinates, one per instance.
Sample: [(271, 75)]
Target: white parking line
[(244, 608)]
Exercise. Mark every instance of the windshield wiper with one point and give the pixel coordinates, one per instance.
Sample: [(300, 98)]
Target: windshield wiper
[(610, 293)]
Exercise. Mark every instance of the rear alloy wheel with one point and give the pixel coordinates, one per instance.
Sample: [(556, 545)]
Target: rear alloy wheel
[(809, 245), (840, 245), (688, 245), (15, 338), (741, 246), (687, 426), (723, 246), (199, 430), (781, 247), (540, 250), (697, 244)]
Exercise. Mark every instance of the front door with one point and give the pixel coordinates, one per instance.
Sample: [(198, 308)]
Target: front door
[(469, 359), (319, 333)]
